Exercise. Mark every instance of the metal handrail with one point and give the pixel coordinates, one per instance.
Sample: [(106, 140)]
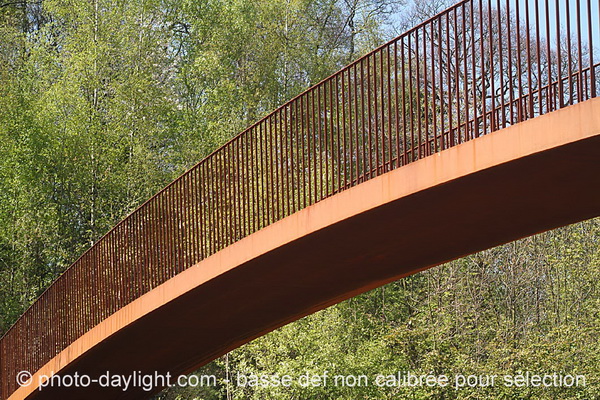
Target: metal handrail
[(477, 67)]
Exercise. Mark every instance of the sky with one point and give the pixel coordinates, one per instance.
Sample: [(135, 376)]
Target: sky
[(563, 5)]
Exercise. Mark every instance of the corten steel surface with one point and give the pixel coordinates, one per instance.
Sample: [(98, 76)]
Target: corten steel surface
[(475, 68), (528, 178)]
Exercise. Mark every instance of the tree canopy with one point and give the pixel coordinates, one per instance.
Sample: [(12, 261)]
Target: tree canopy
[(103, 102)]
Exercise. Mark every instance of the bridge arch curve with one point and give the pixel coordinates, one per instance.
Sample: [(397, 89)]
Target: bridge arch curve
[(531, 177), (415, 154)]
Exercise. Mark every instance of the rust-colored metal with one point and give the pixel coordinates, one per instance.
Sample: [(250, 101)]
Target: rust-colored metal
[(501, 63), (404, 113), (465, 91), (423, 92), (591, 49), (348, 244), (389, 108), (569, 51), (450, 89)]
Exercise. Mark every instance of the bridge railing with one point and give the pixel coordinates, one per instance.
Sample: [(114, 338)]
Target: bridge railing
[(477, 67)]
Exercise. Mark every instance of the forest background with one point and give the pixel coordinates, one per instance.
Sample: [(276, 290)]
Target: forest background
[(103, 102)]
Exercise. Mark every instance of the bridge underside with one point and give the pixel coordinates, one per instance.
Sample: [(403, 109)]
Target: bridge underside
[(535, 176)]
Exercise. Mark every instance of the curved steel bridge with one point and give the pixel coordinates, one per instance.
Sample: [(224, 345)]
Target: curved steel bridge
[(475, 128)]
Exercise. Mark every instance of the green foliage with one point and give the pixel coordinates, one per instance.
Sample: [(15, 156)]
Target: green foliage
[(103, 102), (531, 305)]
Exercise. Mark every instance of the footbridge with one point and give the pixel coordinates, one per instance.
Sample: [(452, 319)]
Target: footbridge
[(475, 128)]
